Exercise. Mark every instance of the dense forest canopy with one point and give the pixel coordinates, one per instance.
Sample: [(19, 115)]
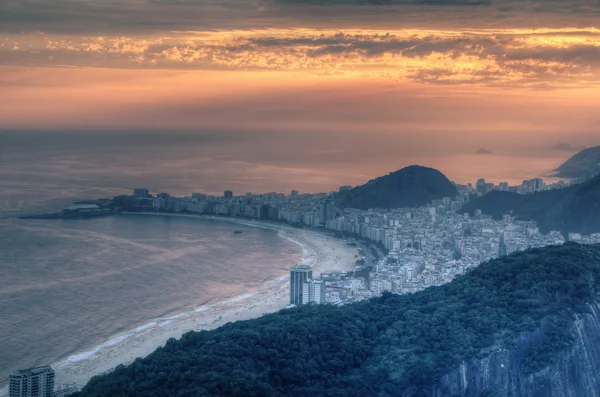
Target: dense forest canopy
[(379, 347)]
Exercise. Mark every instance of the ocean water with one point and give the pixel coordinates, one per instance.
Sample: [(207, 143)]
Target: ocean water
[(66, 286)]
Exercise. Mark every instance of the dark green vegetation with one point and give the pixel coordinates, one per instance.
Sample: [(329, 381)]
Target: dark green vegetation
[(581, 165), (376, 347), (413, 186), (572, 209)]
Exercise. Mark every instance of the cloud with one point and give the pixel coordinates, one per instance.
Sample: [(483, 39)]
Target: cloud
[(536, 58), (483, 151), (134, 17)]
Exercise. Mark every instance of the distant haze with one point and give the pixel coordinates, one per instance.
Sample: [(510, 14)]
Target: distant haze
[(304, 94), (44, 171)]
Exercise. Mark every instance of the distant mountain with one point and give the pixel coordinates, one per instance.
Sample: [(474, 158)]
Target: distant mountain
[(572, 209), (525, 325), (581, 165), (413, 186)]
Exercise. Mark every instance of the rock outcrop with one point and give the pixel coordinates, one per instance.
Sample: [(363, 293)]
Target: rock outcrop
[(575, 373)]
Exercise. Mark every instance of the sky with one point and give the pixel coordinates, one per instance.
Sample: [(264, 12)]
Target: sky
[(439, 77)]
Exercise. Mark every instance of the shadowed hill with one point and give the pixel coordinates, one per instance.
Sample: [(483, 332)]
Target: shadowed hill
[(412, 186), (572, 209), (584, 164), (396, 345)]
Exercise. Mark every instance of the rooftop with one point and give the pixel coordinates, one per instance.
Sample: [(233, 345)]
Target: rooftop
[(300, 267), (32, 371)]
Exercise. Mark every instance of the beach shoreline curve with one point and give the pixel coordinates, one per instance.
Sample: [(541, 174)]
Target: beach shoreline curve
[(324, 253)]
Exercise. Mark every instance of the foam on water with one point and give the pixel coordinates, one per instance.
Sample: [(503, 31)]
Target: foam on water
[(203, 308), (240, 297), (146, 327), (109, 343)]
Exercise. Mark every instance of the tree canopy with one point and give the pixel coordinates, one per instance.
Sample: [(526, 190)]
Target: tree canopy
[(378, 347)]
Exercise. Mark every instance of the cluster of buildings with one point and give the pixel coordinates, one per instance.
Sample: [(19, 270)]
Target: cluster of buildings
[(37, 382), (526, 187), (421, 247), (431, 245), (295, 208), (303, 288)]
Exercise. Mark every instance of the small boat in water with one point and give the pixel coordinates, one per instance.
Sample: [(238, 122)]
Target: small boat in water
[(238, 232)]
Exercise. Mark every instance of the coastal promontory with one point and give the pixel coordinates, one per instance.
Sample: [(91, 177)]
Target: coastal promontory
[(412, 186), (583, 164)]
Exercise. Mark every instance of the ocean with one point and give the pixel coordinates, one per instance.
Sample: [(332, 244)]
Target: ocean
[(69, 285)]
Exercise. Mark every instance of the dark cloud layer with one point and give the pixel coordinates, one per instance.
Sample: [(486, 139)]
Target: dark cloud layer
[(475, 42), (145, 16)]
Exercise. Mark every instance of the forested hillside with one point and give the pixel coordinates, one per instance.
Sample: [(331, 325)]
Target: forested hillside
[(379, 347)]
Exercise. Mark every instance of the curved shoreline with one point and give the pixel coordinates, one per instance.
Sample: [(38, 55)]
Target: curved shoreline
[(324, 253)]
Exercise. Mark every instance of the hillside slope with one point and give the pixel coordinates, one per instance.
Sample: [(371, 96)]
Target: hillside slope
[(523, 325), (584, 164), (572, 209), (412, 186)]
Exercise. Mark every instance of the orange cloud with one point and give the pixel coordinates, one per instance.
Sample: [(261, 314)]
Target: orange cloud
[(538, 58)]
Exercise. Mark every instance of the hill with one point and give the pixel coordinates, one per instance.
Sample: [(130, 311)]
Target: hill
[(584, 164), (412, 186), (523, 325), (572, 209)]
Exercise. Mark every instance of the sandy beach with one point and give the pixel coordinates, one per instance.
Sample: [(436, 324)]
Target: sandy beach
[(325, 254)]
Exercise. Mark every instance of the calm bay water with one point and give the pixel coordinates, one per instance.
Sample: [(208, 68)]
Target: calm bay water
[(69, 285)]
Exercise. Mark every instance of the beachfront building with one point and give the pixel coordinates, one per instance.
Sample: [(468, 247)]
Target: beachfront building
[(140, 192), (66, 390), (32, 382), (313, 291), (298, 275)]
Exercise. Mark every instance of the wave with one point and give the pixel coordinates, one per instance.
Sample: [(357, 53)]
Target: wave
[(240, 297), (203, 308), (109, 343), (146, 327)]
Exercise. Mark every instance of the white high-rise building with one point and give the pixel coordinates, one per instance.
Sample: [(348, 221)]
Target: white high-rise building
[(298, 275), (319, 291), (313, 291), (32, 382)]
